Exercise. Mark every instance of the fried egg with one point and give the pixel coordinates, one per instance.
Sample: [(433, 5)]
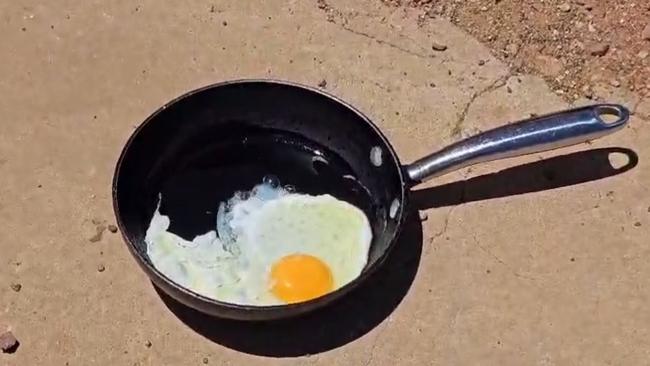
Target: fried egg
[(272, 246)]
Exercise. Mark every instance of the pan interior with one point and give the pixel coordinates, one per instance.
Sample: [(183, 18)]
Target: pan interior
[(201, 149)]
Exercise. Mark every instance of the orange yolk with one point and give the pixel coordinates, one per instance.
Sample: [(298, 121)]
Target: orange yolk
[(300, 277)]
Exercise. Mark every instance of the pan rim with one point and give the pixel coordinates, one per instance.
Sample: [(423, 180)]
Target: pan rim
[(367, 271)]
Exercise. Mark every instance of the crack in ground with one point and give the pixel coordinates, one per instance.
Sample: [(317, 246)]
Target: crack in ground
[(444, 226), (633, 110), (374, 344), (332, 13), (386, 43), (498, 83), (501, 261)]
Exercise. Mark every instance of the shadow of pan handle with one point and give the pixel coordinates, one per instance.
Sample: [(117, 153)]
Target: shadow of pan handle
[(556, 172)]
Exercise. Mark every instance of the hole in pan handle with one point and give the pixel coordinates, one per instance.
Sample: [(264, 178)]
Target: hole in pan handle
[(532, 135)]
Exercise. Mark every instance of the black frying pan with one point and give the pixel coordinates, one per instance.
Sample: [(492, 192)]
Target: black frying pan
[(203, 146)]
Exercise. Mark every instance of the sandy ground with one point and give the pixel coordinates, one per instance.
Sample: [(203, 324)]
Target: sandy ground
[(543, 263), (577, 46)]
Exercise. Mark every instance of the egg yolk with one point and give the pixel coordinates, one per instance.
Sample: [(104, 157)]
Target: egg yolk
[(300, 277)]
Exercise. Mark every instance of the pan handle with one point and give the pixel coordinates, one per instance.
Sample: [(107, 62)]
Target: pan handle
[(533, 135)]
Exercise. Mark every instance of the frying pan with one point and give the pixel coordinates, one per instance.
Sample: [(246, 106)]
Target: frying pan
[(200, 148)]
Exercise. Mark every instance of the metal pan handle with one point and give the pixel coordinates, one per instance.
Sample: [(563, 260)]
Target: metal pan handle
[(533, 135)]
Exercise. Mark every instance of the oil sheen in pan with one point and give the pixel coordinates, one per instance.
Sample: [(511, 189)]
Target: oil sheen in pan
[(192, 194)]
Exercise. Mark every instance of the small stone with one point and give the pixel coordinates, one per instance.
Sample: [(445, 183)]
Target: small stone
[(112, 228), (587, 4), (598, 49), (322, 83), (512, 49), (8, 342), (565, 7), (433, 85), (224, 23), (615, 83), (148, 344), (481, 62), (205, 360), (438, 46), (637, 224), (101, 268), (99, 232), (646, 33), (424, 216), (16, 287), (573, 259), (643, 55)]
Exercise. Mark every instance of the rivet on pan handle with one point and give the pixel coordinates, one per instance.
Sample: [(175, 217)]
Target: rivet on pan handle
[(533, 135)]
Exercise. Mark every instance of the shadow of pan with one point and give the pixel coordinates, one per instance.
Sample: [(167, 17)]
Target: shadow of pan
[(560, 171)]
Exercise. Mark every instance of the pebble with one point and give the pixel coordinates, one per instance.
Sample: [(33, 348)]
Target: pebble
[(8, 342), (512, 49), (615, 83), (424, 216), (481, 62), (322, 83), (598, 49), (101, 268), (565, 7), (112, 228), (587, 4), (98, 234), (205, 360), (646, 32), (438, 46), (643, 55), (433, 85), (148, 344), (16, 287)]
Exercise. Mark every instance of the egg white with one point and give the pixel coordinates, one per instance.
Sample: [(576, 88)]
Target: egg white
[(256, 230)]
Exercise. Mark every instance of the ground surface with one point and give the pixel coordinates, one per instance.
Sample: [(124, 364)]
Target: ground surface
[(577, 46), (544, 263)]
